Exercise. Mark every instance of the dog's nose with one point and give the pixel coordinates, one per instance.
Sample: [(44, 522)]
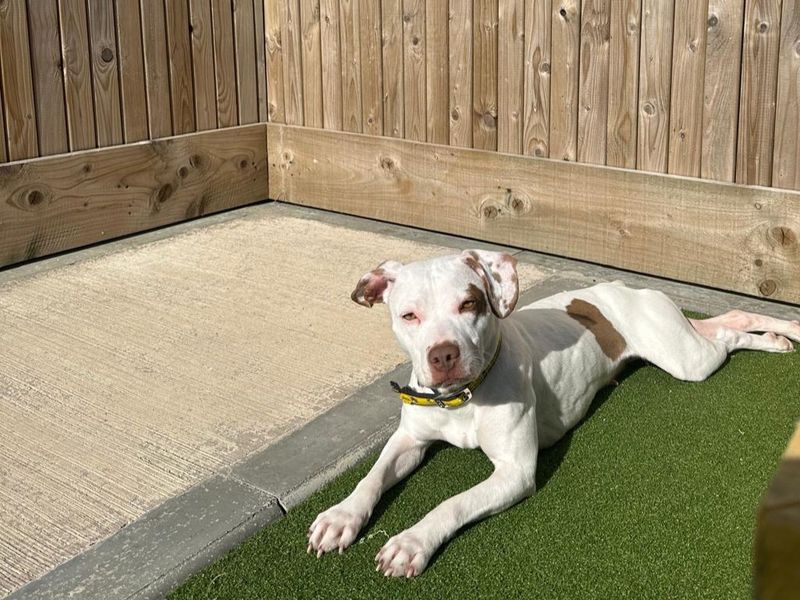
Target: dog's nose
[(442, 357)]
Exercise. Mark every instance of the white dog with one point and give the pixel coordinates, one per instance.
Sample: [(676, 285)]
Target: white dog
[(511, 383)]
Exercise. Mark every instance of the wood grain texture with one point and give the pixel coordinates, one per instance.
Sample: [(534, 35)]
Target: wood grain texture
[(48, 78), (721, 89), (392, 62), (78, 76), (276, 103), (205, 89), (225, 63), (655, 76), (15, 68), (331, 65), (437, 70), (180, 66), (688, 229), (593, 81), (786, 156), (351, 67), (3, 151), (686, 105), (105, 72), (63, 202), (156, 68), (510, 75), (484, 77), (564, 79), (762, 25), (623, 83), (371, 68), (415, 104), (460, 65), (292, 61), (246, 79), (536, 133), (261, 60), (311, 47), (133, 89)]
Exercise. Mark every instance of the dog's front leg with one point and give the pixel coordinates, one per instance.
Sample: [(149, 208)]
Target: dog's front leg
[(337, 527), (407, 553)]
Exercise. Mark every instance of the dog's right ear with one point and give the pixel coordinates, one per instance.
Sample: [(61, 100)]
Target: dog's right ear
[(374, 286)]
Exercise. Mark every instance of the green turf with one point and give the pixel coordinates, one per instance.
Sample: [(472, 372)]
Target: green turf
[(653, 496)]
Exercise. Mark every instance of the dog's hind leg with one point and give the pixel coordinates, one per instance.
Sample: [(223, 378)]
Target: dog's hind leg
[(740, 320)]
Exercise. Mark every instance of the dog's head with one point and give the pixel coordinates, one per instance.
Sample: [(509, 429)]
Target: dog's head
[(444, 311)]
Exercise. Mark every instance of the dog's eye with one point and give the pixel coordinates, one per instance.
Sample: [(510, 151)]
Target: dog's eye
[(467, 305), (409, 316)]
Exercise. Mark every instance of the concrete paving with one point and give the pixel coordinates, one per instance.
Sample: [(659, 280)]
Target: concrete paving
[(133, 371)]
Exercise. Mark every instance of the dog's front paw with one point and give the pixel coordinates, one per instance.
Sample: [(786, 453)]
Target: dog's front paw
[(336, 528), (404, 555)]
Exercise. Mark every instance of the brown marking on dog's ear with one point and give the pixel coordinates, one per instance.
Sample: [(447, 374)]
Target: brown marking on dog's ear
[(477, 294), (370, 288), (609, 339)]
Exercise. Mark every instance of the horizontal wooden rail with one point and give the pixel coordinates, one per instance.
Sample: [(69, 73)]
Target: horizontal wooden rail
[(735, 237), (56, 203)]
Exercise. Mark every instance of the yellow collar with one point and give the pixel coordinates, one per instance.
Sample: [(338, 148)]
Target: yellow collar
[(411, 396)]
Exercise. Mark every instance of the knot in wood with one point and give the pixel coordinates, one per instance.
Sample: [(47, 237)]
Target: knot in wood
[(107, 55), (196, 161), (758, 262), (763, 27), (784, 236), (767, 287), (34, 198), (544, 68), (490, 212), (648, 108), (489, 120), (387, 163), (455, 115), (713, 21)]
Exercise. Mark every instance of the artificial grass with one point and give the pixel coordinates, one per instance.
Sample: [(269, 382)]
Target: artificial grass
[(654, 495)]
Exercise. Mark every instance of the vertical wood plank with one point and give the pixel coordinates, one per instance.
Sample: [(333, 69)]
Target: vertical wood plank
[(460, 61), (593, 81), (3, 151), (48, 78), (437, 71), (275, 95), (566, 25), (131, 71), (205, 89), (536, 133), (786, 158), (261, 60), (654, 86), (392, 28), (414, 70), (623, 83), (180, 66), (77, 74), (246, 78), (312, 62), (154, 34), (15, 64), (762, 27), (292, 62), (351, 67), (225, 62), (371, 68), (484, 79), (510, 75), (721, 89), (688, 66), (105, 72), (331, 65)]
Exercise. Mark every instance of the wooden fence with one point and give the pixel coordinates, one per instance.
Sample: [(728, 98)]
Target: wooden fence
[(700, 88)]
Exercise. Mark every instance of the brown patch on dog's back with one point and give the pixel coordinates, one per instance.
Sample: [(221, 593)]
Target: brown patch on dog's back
[(609, 339), (477, 294)]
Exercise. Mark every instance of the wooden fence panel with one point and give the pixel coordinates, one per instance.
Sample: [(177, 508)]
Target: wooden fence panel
[(205, 89), (414, 74), (371, 68), (154, 33), (510, 76), (593, 81), (762, 27), (311, 46), (292, 71), (623, 84), (392, 63), (105, 72), (133, 89), (460, 72), (536, 134), (351, 65), (437, 71), (180, 66), (484, 64), (48, 78), (786, 158), (564, 79), (246, 78)]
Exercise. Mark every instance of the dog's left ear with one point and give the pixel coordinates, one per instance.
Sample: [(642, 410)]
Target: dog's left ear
[(499, 273)]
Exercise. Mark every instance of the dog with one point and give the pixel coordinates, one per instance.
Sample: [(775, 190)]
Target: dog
[(509, 382)]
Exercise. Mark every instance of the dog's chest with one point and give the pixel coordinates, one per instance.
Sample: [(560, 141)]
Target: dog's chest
[(455, 426)]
